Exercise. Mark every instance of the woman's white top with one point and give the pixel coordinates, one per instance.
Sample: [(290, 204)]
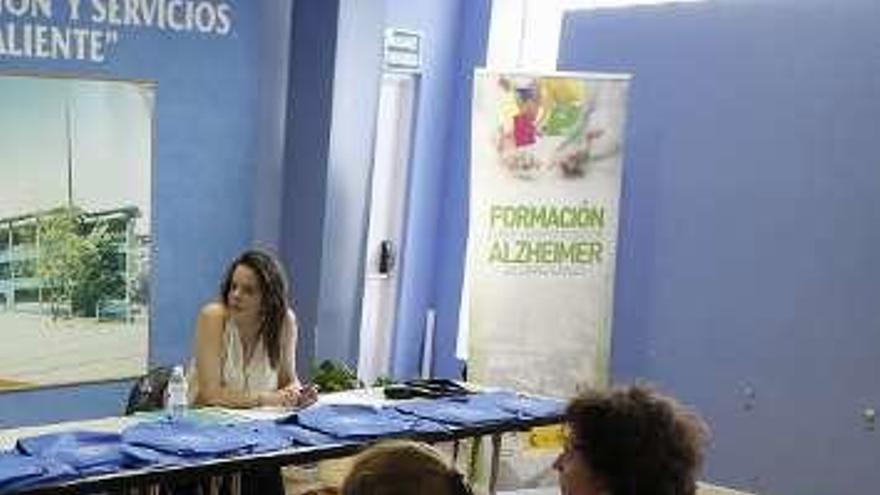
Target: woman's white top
[(254, 376)]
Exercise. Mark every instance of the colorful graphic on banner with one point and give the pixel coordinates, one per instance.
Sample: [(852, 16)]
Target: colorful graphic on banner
[(545, 183)]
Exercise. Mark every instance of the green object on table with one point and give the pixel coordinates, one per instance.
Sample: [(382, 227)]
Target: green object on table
[(334, 376)]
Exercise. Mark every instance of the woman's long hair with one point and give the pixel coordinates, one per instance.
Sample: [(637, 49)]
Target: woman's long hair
[(273, 301)]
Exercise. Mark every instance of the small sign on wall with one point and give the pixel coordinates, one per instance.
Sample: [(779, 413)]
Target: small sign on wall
[(403, 50)]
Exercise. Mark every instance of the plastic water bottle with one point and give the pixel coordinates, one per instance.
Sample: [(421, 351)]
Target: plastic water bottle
[(175, 395)]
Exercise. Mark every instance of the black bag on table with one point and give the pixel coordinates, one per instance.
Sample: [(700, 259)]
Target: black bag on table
[(148, 393)]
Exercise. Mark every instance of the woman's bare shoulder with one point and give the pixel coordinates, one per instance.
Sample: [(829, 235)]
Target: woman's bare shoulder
[(290, 321), (214, 311)]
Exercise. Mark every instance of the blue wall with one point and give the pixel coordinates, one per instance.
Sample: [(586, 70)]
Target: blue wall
[(216, 116), (437, 21), (309, 112), (454, 37), (349, 164), (747, 281), (473, 39)]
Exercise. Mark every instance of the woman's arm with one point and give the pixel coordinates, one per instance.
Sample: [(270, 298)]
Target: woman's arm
[(209, 349), (287, 367), (288, 381)]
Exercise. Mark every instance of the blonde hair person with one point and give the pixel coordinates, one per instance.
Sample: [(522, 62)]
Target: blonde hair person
[(402, 467)]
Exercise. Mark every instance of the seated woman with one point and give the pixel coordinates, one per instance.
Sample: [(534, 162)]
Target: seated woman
[(402, 467), (245, 351), (630, 441), (245, 347)]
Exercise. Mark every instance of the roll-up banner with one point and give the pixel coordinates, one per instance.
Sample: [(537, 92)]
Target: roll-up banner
[(546, 159)]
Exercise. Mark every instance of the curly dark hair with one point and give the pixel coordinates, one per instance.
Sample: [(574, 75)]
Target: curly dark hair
[(638, 441), (273, 288)]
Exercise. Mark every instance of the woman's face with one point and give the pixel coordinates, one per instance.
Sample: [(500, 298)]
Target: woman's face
[(575, 475), (244, 297)]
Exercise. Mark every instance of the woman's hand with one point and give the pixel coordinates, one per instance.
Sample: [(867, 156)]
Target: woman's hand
[(275, 398), (292, 395), (308, 395), (300, 396)]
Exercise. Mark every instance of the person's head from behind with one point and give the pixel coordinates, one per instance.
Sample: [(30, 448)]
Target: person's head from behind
[(403, 468), (255, 289), (630, 441)]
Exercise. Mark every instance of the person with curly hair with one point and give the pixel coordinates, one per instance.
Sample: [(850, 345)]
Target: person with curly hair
[(630, 441), (403, 467)]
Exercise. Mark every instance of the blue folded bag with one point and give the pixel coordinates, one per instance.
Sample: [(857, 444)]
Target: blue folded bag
[(303, 436), (415, 423), (137, 457), (524, 406), (15, 467), (18, 471), (457, 411), (267, 435), (88, 452), (189, 439), (357, 421)]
